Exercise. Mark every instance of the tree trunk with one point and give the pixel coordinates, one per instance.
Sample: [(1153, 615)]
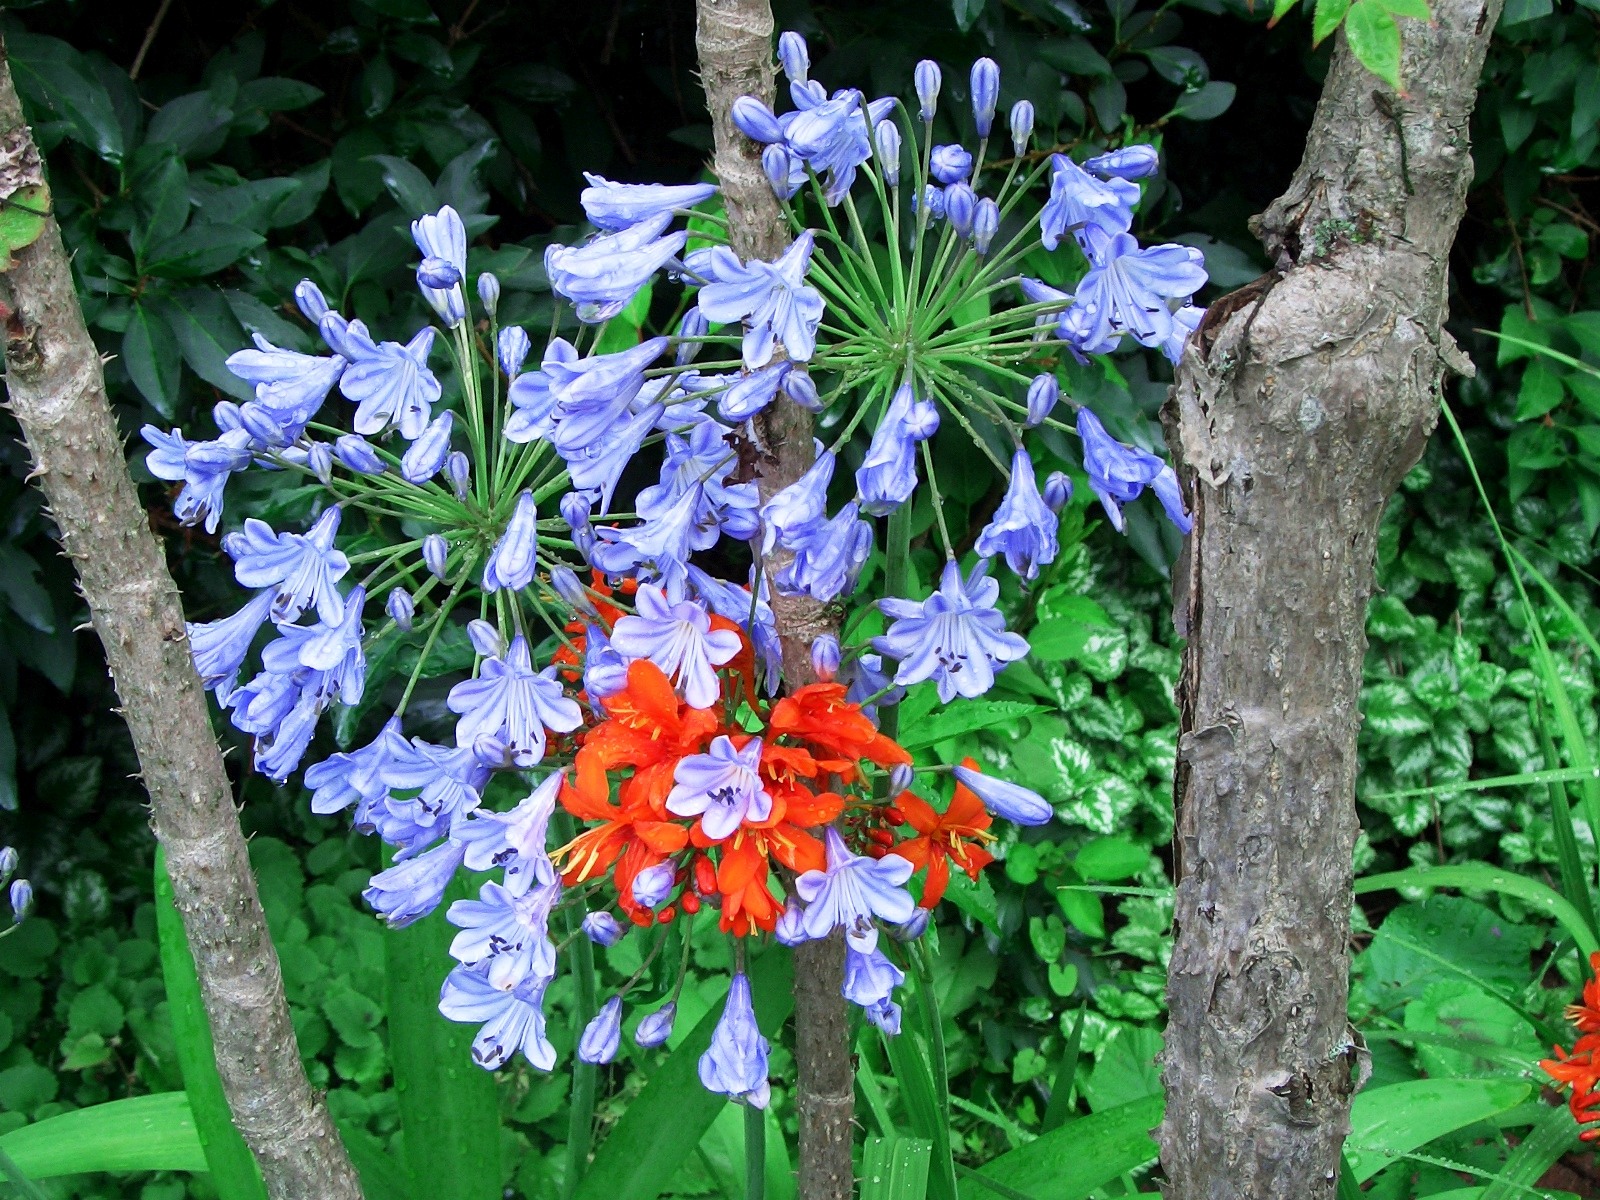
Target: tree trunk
[(57, 391), (734, 41), (1299, 405)]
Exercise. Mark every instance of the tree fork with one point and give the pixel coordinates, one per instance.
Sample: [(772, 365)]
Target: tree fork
[(56, 388), (1299, 406), (734, 42)]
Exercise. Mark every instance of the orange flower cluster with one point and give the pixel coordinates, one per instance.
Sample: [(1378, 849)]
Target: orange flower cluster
[(1579, 1070)]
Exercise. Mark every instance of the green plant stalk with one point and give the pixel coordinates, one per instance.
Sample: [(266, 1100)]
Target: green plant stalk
[(27, 1189), (1574, 880), (896, 579), (234, 1172), (755, 1153), (580, 1125), (933, 1024)]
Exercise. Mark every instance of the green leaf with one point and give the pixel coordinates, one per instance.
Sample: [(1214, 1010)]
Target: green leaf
[(448, 1106), (909, 1063), (201, 250), (1485, 878), (411, 189), (22, 219), (1390, 1121), (233, 1168), (1076, 1158), (1205, 103), (1374, 39), (1518, 11), (895, 1168), (146, 1133), (970, 717), (150, 353), (56, 76), (207, 333), (1108, 859), (966, 12), (1541, 391), (1417, 10), (664, 1123), (1329, 15)]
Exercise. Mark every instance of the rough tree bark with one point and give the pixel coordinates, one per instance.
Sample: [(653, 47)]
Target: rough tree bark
[(56, 389), (734, 41), (1299, 406)]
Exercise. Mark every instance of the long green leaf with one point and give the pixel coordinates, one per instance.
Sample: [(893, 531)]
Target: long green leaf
[(666, 1121), (449, 1109), (382, 1177), (1071, 1161), (909, 1063), (1062, 1090), (1391, 1121), (1554, 1134), (1569, 862), (233, 1168), (1484, 878), (12, 1174), (145, 1133), (895, 1168), (1349, 1189)]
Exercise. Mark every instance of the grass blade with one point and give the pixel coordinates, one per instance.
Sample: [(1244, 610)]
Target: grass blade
[(909, 1065), (1349, 1189), (1552, 1135), (145, 1133), (1074, 1159), (895, 1168), (1063, 1090), (449, 1109), (12, 1174), (1388, 1122), (233, 1168), (1574, 879), (1484, 878)]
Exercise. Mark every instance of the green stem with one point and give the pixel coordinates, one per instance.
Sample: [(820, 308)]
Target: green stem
[(896, 581), (939, 1065), (580, 1128), (755, 1153)]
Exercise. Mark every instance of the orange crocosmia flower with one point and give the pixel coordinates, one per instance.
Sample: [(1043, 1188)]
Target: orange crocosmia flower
[(742, 880), (1586, 1013), (1579, 1070), (649, 724), (621, 826), (819, 715), (955, 835)]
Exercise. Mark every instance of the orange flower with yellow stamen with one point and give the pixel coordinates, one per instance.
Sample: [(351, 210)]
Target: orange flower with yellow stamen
[(955, 835)]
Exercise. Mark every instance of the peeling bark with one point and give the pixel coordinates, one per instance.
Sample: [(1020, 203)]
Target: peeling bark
[(1299, 406), (734, 40), (56, 389)]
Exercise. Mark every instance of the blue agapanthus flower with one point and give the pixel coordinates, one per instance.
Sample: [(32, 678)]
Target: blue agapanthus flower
[(514, 703), (888, 474), (511, 1021), (773, 299), (1127, 290), (1023, 529), (1080, 201), (300, 568), (956, 637), (614, 207), (853, 891), (601, 276), (735, 1065)]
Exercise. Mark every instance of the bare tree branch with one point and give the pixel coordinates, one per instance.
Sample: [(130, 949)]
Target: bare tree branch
[(1300, 404), (734, 40), (56, 388)]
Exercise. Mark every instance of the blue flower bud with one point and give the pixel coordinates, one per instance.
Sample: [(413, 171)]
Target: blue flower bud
[(261, 424), (755, 120), (933, 198), (426, 455), (308, 296), (960, 207), (653, 885), (602, 929), (1043, 393), (887, 137), (802, 389), (227, 415), (492, 752), (656, 1027), (355, 452), (950, 164), (21, 900), (794, 57), (603, 1034), (511, 349), (985, 224), (900, 777), (1008, 801), (825, 657), (1021, 126), (434, 552), (566, 584), (438, 273), (985, 93), (489, 292), (791, 929), (694, 325), (1131, 162), (458, 468), (401, 608), (927, 78), (8, 863), (575, 508), (1057, 491), (485, 638), (319, 459), (783, 170), (910, 931)]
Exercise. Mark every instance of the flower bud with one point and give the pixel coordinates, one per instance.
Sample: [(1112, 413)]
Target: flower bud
[(227, 415), (653, 885), (900, 777), (1043, 393), (985, 93), (656, 1027), (602, 929), (1130, 162), (566, 584), (1057, 491), (783, 170), (911, 930), (950, 164), (485, 638), (794, 57), (438, 273), (887, 138), (802, 389), (458, 469), (308, 297), (319, 460), (927, 78), (1021, 126), (261, 424), (492, 752), (21, 900), (355, 452), (755, 120), (434, 552), (790, 929), (960, 207), (693, 326), (933, 199), (489, 292), (511, 349), (426, 455), (401, 608), (985, 224), (603, 1034), (825, 657), (9, 858)]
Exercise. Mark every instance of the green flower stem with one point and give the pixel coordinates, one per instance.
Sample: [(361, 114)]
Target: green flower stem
[(439, 622), (928, 1002), (896, 582), (938, 503), (865, 251), (755, 1153), (580, 1129)]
